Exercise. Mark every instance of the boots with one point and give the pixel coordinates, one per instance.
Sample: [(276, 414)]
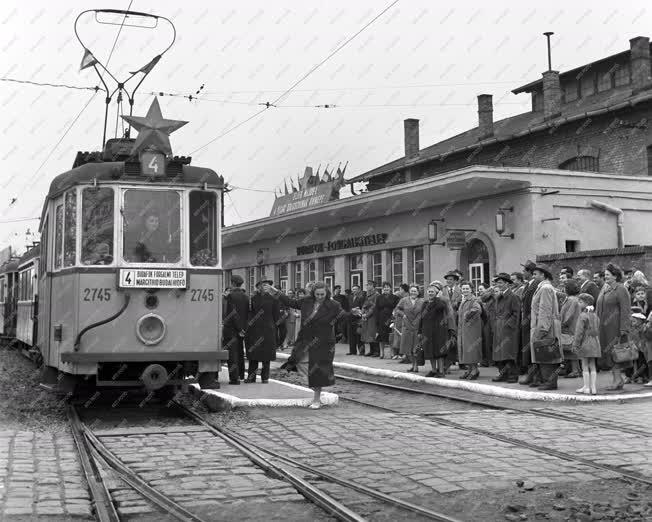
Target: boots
[(593, 382), (587, 387), (528, 378), (502, 375)]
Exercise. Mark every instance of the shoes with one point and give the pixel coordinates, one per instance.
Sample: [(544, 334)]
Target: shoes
[(473, 376), (367, 354), (394, 357), (501, 377), (315, 405), (548, 386), (234, 382), (572, 375), (404, 361), (594, 391), (512, 379), (351, 353), (583, 389), (440, 375), (430, 374), (412, 370), (374, 354), (648, 384), (616, 387), (264, 381), (527, 379), (465, 375), (251, 378), (536, 382)]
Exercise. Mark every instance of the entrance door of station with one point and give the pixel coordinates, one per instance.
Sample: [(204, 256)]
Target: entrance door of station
[(328, 281)]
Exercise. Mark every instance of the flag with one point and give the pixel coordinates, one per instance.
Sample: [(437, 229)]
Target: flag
[(294, 189), (88, 60), (285, 183), (147, 68), (304, 182), (326, 177)]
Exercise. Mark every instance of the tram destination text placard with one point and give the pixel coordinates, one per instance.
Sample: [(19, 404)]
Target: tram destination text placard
[(152, 278)]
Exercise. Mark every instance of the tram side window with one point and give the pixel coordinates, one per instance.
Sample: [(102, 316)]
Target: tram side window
[(58, 236), (97, 226), (70, 235), (151, 226), (203, 228), (44, 247)]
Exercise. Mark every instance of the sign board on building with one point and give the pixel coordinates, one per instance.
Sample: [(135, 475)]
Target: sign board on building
[(152, 278), (305, 198), (455, 239), (5, 255), (341, 244)]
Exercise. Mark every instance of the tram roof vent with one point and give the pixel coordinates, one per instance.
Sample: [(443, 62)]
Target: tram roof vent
[(118, 149)]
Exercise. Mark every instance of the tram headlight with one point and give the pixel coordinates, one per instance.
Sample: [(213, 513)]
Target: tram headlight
[(150, 329)]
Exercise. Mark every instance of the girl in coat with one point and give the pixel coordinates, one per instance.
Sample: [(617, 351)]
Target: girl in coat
[(586, 343), (613, 309), (437, 331), (469, 332), (410, 309), (314, 349), (570, 313), (385, 304)]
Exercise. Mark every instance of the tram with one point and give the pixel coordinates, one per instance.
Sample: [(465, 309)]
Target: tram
[(125, 287)]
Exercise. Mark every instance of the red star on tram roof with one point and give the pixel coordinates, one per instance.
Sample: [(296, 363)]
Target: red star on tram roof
[(153, 130)]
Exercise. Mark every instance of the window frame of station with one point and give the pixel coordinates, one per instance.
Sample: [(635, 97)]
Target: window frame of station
[(298, 269), (376, 256), (414, 263), (311, 272), (118, 227), (328, 276), (283, 280), (396, 285)]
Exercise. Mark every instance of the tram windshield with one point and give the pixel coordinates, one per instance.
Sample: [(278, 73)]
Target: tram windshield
[(97, 226), (151, 226)]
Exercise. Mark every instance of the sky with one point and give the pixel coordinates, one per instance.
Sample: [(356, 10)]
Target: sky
[(421, 59)]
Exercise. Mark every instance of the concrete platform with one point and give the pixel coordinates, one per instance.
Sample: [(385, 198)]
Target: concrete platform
[(392, 369), (274, 394)]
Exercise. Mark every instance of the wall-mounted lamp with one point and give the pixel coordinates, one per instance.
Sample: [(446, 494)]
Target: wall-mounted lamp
[(433, 231), (500, 222)]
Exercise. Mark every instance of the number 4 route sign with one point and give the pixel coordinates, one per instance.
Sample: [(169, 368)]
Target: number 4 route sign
[(152, 163)]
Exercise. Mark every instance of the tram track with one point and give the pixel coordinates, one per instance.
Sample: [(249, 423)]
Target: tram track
[(437, 419), (95, 456), (495, 406)]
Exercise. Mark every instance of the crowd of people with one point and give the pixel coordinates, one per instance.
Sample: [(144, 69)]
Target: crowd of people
[(533, 327)]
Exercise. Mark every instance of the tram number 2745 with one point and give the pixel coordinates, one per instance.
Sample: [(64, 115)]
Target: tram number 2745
[(202, 294), (97, 294)]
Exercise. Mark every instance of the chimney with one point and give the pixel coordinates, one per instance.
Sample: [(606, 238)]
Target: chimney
[(640, 63), (551, 94), (485, 115), (411, 130)]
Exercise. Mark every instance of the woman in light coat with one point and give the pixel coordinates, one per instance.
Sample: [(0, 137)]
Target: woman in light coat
[(410, 309), (469, 332)]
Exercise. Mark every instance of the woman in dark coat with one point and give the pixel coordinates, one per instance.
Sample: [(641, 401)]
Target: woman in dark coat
[(385, 304), (315, 344), (488, 303), (262, 334), (436, 331), (613, 309)]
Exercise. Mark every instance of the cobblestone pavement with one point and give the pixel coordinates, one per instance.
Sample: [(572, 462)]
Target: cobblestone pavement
[(40, 476)]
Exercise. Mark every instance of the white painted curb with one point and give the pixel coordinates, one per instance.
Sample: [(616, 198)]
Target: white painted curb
[(231, 401), (485, 389)]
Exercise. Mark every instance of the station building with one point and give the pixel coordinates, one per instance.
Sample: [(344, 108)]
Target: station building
[(572, 174)]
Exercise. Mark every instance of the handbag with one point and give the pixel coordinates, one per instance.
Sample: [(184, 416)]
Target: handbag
[(546, 351), (624, 352)]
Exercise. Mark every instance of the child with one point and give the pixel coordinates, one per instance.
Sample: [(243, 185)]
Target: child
[(636, 337), (640, 300), (647, 348), (586, 343)]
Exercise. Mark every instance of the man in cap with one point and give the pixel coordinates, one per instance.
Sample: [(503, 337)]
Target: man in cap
[(524, 361), (545, 329), (236, 315), (507, 329), (452, 293), (262, 334)]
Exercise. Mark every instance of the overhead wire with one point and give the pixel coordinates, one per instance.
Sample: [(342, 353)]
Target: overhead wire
[(45, 84), (300, 80), (18, 220)]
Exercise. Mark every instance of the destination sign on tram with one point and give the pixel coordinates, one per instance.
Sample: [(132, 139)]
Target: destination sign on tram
[(153, 278)]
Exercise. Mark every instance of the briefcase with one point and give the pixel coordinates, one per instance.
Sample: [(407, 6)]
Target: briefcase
[(546, 351)]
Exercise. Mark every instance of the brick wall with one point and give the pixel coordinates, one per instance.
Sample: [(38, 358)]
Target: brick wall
[(636, 258), (621, 148)]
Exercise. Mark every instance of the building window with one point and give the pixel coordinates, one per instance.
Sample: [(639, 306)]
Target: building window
[(355, 262), (581, 164), (570, 92), (397, 268), (587, 83), (283, 276), (418, 265), (377, 268), (312, 271), (329, 265), (605, 81), (251, 272), (621, 75), (298, 274), (572, 246)]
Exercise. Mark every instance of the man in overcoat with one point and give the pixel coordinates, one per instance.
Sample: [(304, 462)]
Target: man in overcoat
[(356, 301), (507, 329), (524, 360), (262, 338), (236, 315), (587, 286), (369, 328), (545, 329)]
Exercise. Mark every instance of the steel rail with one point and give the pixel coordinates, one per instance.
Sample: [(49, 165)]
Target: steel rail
[(101, 498), (489, 405), (515, 442), (131, 478), (433, 515), (312, 493)]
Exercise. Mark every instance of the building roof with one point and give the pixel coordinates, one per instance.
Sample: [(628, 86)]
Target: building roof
[(514, 127)]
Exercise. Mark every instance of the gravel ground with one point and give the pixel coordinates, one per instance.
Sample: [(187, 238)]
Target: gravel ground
[(23, 405)]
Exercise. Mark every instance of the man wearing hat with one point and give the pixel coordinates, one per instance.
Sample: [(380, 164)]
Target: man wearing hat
[(507, 329), (545, 329), (236, 315), (524, 360), (452, 294), (265, 315)]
